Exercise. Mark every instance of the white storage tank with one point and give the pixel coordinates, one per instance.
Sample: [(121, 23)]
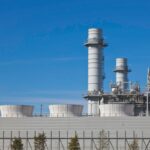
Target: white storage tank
[(16, 110), (116, 109), (65, 110), (93, 108)]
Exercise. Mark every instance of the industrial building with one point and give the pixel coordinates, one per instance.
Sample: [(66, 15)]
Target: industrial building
[(122, 113)]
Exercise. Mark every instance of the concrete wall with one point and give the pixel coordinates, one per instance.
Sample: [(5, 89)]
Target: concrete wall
[(86, 127)]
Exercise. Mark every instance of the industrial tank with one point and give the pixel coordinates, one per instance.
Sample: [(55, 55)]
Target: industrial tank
[(65, 110), (16, 110), (93, 108), (116, 109)]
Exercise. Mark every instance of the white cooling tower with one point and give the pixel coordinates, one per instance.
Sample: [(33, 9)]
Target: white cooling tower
[(116, 109), (65, 110), (16, 110), (122, 73)]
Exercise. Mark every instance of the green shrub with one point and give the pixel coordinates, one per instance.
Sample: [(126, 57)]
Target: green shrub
[(74, 143), (17, 144), (40, 141)]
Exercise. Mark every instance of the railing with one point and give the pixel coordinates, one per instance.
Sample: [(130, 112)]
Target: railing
[(124, 68), (88, 140), (96, 41)]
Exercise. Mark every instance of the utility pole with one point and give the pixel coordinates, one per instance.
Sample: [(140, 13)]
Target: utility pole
[(148, 92), (41, 110)]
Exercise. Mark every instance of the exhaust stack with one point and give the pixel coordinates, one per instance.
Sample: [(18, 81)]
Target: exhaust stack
[(95, 60), (122, 71)]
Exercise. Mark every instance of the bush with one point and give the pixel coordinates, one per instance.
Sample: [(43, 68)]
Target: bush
[(103, 141), (17, 144), (40, 141), (74, 143), (134, 145)]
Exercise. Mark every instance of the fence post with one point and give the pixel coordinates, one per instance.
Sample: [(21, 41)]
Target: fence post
[(91, 140), (125, 142), (59, 140), (117, 140), (51, 140), (10, 139), (108, 140), (3, 139), (67, 139), (26, 140), (83, 140)]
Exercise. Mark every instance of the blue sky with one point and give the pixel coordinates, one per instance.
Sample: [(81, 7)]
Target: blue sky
[(42, 57)]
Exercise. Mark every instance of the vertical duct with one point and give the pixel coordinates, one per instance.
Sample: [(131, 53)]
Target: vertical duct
[(122, 71)]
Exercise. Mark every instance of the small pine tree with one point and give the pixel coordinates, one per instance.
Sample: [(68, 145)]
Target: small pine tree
[(103, 142), (134, 145), (17, 144), (40, 141), (74, 143)]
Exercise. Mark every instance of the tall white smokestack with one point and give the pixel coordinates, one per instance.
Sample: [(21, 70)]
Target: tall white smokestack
[(95, 46), (122, 73), (95, 60)]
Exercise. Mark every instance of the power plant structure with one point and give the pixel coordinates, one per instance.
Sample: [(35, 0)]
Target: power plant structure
[(118, 117), (125, 98)]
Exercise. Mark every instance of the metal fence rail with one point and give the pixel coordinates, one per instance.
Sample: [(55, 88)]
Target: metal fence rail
[(90, 141)]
